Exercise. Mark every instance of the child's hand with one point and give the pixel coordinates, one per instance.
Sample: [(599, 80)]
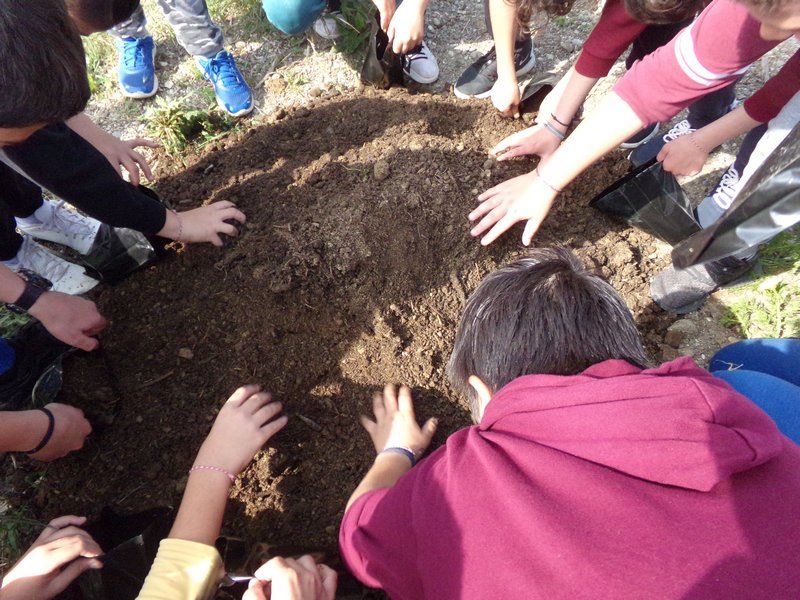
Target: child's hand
[(71, 319), (244, 424), (203, 224), (534, 140), (407, 27), (56, 558), (518, 199), (505, 97), (683, 155), (292, 579), (70, 432), (395, 424), (386, 10)]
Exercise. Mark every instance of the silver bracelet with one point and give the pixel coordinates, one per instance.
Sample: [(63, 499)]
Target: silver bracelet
[(544, 181), (553, 130)]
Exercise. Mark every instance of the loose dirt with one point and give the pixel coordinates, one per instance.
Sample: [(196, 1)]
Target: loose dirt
[(352, 271)]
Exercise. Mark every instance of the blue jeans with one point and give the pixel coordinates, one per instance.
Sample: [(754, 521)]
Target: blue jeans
[(293, 16), (768, 373)]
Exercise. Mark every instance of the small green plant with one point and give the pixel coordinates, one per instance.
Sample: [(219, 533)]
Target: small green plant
[(560, 21), (17, 530), (770, 306), (354, 25), (100, 58), (175, 125)]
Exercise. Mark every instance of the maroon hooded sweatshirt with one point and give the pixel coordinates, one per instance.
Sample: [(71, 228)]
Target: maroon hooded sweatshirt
[(615, 483)]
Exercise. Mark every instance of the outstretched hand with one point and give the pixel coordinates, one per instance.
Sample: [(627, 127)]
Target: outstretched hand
[(395, 424), (60, 553), (518, 199), (533, 140), (292, 579), (244, 424)]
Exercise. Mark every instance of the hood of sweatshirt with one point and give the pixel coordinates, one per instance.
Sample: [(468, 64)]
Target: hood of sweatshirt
[(674, 425)]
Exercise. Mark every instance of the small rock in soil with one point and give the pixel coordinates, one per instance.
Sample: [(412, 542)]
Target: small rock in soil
[(678, 331), (186, 353), (381, 170)]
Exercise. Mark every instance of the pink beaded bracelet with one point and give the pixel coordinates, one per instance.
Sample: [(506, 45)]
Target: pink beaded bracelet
[(230, 475)]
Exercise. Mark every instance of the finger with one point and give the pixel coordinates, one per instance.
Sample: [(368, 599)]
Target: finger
[(141, 162), (243, 393), (140, 142), (258, 400), (215, 240), (329, 578), (272, 568), (503, 225), (132, 168), (367, 424), (227, 229), (486, 207), (390, 398), (307, 562), (68, 534), (493, 191), (663, 153), (378, 407), (71, 573), (429, 429), (233, 213), (57, 524), (84, 342), (487, 221), (404, 402), (273, 427), (267, 413), (511, 153), (255, 591), (531, 227), (72, 548)]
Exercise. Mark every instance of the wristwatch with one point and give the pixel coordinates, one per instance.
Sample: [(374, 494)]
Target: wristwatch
[(35, 286)]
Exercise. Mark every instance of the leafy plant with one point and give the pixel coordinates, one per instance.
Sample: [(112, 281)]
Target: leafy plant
[(175, 125), (354, 25), (770, 306)]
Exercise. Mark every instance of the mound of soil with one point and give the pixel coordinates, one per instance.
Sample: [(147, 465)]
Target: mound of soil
[(352, 271)]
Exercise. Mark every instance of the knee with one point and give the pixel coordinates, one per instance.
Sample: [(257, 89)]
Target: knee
[(292, 16)]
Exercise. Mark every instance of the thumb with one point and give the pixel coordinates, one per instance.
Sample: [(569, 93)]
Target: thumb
[(530, 230), (71, 572), (86, 343), (430, 428), (663, 153)]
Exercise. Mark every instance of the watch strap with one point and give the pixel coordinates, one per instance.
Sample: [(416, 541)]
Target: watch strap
[(29, 296)]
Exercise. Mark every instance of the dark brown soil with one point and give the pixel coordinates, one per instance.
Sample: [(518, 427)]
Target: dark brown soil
[(338, 284)]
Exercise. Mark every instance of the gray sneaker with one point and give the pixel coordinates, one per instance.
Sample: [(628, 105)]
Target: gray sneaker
[(479, 78), (684, 290)]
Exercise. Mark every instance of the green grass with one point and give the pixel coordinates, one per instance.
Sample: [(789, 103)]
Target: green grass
[(770, 305), (176, 126), (17, 530), (355, 25), (101, 62)]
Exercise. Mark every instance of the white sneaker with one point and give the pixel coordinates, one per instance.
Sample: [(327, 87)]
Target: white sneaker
[(420, 64), (727, 188), (54, 222), (66, 277), (327, 26)]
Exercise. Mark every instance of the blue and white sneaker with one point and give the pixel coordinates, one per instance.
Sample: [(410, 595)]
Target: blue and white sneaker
[(233, 94), (137, 72)]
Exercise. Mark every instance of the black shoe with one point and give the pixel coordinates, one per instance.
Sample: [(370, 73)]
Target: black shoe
[(37, 353), (642, 137), (684, 290), (479, 78)]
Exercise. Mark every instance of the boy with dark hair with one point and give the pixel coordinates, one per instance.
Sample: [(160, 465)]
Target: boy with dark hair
[(194, 29), (586, 475)]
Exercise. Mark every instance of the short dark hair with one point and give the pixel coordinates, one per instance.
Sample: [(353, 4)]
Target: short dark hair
[(102, 15), (664, 12), (544, 314), (42, 64)]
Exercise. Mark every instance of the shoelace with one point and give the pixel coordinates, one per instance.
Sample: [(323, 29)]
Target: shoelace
[(417, 53), (64, 219), (222, 68), (680, 129), (133, 54), (725, 192)]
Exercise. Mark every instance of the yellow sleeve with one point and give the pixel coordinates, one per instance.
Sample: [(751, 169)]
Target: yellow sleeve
[(182, 570)]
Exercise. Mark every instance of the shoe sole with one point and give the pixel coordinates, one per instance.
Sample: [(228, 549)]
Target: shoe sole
[(523, 70), (420, 80), (241, 113)]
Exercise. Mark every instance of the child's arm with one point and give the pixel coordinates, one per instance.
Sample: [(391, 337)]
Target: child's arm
[(71, 319), (25, 430), (118, 152), (395, 426), (187, 563), (687, 154), (505, 93), (407, 28), (558, 110)]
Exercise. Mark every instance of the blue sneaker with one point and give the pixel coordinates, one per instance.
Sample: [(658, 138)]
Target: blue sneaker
[(137, 72), (233, 94)]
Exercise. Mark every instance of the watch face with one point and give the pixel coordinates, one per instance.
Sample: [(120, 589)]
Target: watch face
[(35, 279)]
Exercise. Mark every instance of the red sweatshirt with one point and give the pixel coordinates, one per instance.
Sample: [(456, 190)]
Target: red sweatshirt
[(615, 483), (717, 48), (614, 32)]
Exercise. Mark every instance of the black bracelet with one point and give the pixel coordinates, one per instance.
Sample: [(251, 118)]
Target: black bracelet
[(51, 425), (556, 119)]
